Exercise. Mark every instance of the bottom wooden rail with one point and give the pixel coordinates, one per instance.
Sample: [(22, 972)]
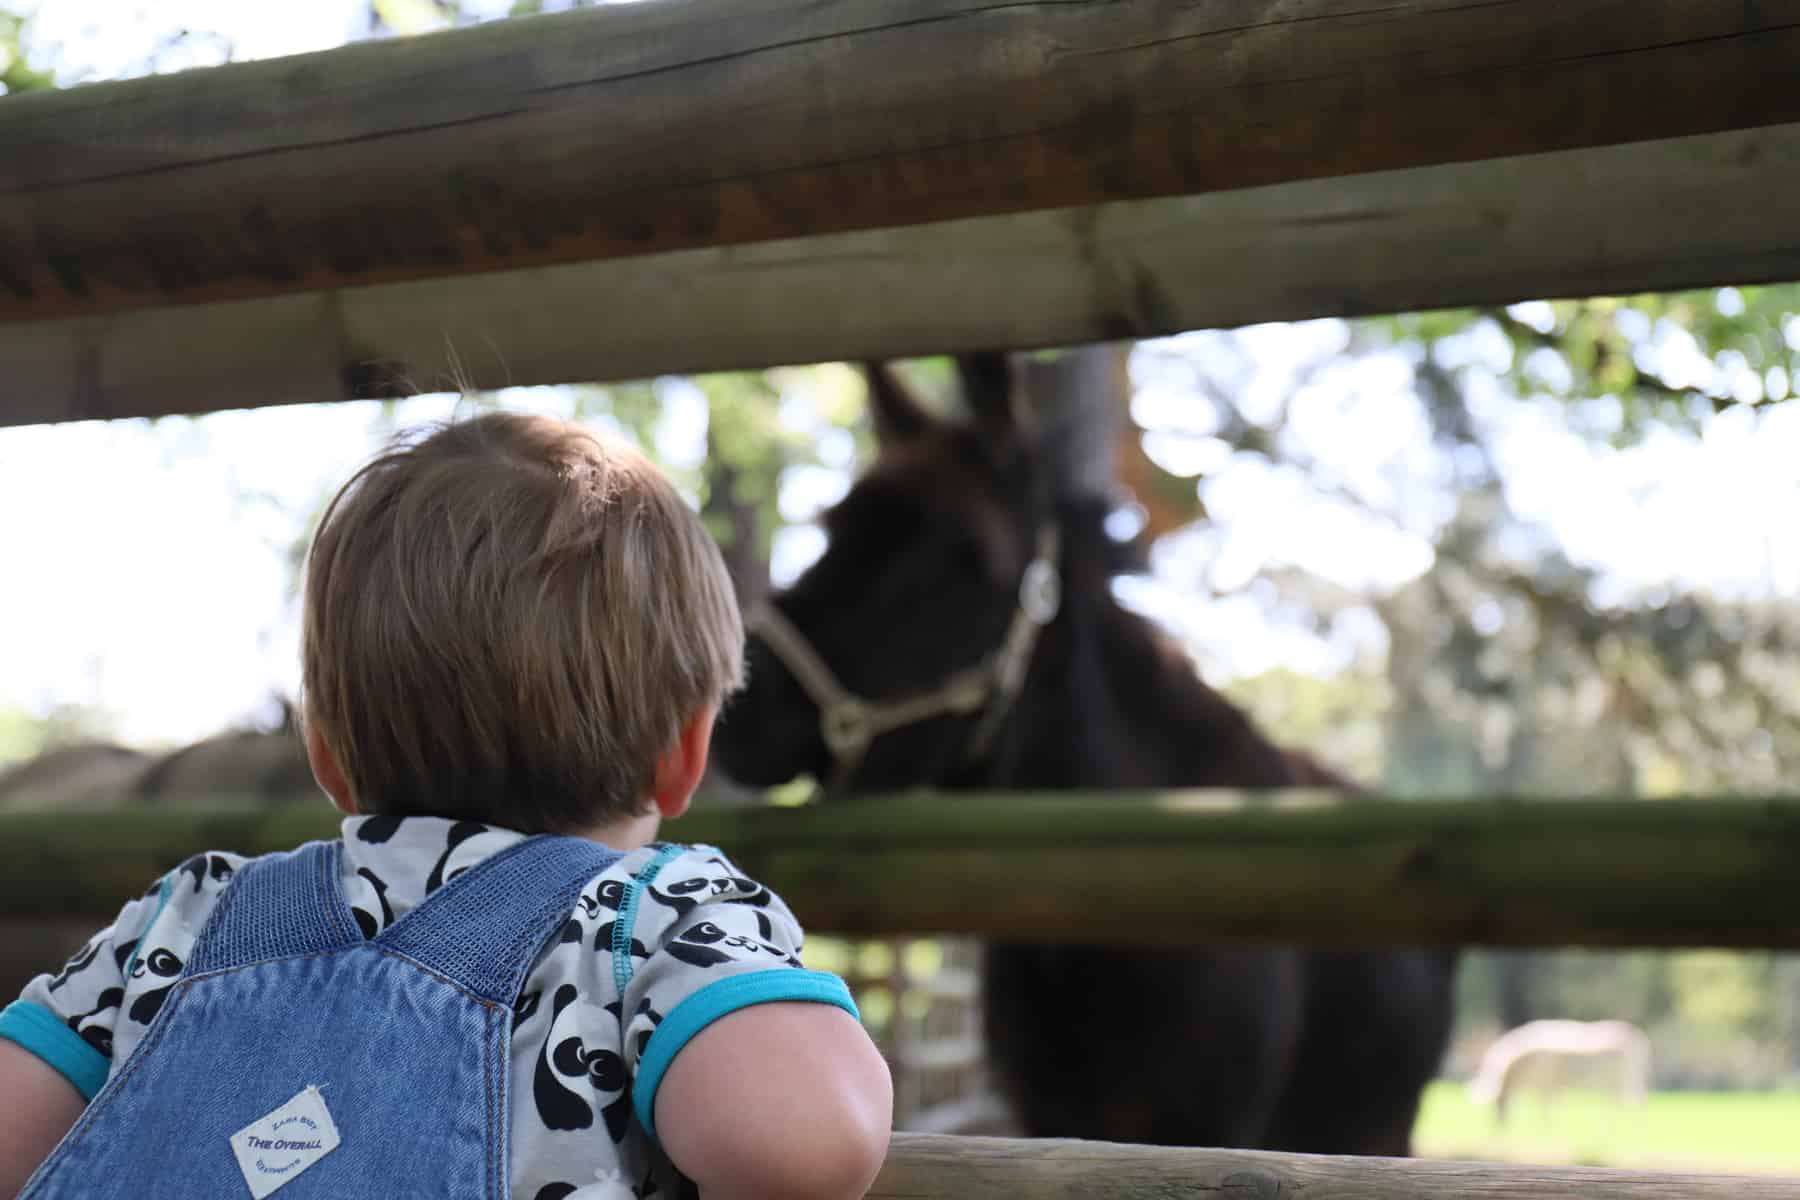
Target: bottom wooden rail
[(924, 1166)]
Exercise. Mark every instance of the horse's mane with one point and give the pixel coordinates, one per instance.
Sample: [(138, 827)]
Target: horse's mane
[(1150, 714)]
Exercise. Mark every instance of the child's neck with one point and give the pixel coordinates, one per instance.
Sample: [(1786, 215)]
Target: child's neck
[(626, 833)]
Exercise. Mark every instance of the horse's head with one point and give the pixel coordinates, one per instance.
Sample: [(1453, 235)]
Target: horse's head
[(892, 659)]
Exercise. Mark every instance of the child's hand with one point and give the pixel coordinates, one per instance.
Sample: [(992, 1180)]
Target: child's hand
[(786, 1100)]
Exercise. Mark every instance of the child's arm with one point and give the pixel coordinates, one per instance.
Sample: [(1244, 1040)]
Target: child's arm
[(40, 1107), (777, 1100)]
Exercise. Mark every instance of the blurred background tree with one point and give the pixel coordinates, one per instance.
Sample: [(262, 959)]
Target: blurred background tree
[(1512, 667)]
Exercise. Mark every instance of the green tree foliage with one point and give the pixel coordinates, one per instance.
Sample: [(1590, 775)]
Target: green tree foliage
[(1337, 718), (16, 74), (1510, 666), (411, 16)]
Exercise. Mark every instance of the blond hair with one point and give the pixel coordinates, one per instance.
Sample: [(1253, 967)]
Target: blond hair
[(509, 621)]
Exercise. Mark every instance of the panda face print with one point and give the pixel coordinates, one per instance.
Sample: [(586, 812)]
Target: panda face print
[(442, 872), (378, 829), (159, 962), (558, 1105), (206, 866), (369, 922), (81, 960), (685, 895), (122, 953), (748, 891), (100, 1037), (603, 941), (648, 1011), (569, 1071), (608, 896), (163, 964), (604, 1069), (706, 944)]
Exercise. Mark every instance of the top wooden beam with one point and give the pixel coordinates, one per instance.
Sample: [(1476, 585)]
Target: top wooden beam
[(634, 129), (1646, 216)]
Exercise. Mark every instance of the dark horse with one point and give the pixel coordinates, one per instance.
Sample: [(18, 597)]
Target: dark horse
[(920, 584)]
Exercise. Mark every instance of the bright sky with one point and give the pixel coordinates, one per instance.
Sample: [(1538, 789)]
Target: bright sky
[(105, 39), (147, 567)]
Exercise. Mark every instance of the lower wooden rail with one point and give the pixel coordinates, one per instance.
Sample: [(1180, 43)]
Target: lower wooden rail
[(1142, 867), (924, 1165)]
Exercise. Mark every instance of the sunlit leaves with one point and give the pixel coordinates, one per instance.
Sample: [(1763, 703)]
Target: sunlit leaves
[(413, 16), (16, 74), (1669, 360)]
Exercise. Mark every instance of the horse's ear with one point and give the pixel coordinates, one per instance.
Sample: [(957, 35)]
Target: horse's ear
[(895, 412), (988, 387), (1079, 401)]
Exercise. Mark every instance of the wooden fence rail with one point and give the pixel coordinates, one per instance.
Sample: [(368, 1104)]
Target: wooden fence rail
[(630, 129), (690, 184), (1139, 867), (967, 1168)]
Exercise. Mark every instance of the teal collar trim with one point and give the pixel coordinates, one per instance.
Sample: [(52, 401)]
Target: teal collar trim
[(628, 910)]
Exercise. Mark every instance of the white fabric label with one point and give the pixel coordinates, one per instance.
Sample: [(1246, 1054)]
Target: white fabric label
[(273, 1149)]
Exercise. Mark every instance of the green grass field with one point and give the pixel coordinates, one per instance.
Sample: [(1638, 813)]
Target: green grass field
[(1739, 1132)]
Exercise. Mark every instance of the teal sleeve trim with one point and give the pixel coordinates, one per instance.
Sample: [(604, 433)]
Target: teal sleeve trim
[(162, 902), (716, 1000), (44, 1034), (628, 910)]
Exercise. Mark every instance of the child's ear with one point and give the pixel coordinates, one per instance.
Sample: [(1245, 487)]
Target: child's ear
[(326, 771), (679, 769)]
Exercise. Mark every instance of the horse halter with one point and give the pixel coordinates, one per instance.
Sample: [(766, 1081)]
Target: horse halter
[(850, 723)]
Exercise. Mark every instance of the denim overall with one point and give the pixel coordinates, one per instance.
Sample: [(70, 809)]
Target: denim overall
[(406, 1038)]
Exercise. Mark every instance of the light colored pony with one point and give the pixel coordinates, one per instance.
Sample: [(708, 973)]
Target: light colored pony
[(1538, 1054)]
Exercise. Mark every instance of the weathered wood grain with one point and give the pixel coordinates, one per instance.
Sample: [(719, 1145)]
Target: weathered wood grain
[(1181, 867), (1620, 219), (632, 129), (921, 1166)]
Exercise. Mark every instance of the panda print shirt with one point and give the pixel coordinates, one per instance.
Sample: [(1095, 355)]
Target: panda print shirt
[(585, 1017)]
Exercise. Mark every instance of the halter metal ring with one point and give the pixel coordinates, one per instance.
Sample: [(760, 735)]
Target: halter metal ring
[(845, 726), (1040, 592)]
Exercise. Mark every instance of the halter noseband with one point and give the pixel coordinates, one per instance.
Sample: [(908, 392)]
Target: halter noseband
[(850, 723)]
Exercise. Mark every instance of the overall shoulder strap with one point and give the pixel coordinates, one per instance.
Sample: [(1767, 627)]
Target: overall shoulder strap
[(277, 906), (485, 928)]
